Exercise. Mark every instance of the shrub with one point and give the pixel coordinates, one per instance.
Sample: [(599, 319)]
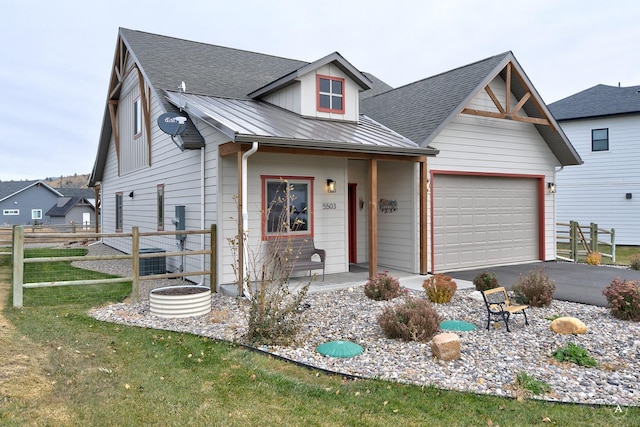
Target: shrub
[(623, 297), (536, 289), (485, 281), (594, 258), (634, 261), (382, 287), (439, 288), (413, 320), (574, 353)]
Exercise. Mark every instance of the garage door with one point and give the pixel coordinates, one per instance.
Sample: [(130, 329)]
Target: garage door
[(481, 221)]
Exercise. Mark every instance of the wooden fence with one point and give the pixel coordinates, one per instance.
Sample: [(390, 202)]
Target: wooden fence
[(574, 241), (20, 240)]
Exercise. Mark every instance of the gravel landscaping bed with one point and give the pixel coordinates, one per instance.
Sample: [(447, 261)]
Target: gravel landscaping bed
[(490, 360)]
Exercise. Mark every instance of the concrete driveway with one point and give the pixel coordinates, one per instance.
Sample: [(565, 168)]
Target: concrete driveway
[(574, 282)]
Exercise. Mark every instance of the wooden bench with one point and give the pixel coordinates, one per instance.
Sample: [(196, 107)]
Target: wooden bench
[(500, 308), (297, 254)]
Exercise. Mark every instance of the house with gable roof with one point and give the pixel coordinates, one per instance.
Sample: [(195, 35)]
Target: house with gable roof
[(499, 147), (362, 186), (603, 123), (26, 202)]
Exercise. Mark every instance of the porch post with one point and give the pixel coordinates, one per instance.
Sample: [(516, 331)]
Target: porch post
[(373, 217), (240, 236), (424, 190)]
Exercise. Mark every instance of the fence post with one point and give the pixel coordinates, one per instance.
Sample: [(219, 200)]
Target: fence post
[(135, 264), (594, 237), (573, 241), (613, 245), (213, 256), (18, 264)]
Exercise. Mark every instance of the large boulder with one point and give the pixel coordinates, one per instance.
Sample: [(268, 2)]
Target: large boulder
[(568, 325), (446, 346)]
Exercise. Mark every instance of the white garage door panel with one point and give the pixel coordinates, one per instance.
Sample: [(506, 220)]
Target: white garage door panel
[(481, 221)]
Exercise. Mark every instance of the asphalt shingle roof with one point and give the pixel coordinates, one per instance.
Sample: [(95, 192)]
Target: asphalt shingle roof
[(417, 109), (600, 100)]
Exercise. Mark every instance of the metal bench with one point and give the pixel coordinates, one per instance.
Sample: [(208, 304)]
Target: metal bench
[(500, 308), (297, 254)]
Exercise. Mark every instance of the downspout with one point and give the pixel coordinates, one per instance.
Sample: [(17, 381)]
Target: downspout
[(245, 210), (202, 209)]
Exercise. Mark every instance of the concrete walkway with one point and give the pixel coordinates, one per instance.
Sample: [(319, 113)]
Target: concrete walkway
[(579, 283)]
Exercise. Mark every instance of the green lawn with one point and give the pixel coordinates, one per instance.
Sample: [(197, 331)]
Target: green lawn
[(102, 374)]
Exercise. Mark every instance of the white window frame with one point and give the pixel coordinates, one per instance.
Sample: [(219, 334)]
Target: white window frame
[(11, 212), (36, 213), (137, 117)]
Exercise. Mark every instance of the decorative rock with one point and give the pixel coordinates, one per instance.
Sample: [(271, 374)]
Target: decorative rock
[(446, 346), (568, 325)]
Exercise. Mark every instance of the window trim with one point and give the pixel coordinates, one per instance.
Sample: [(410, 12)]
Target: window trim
[(137, 117), (34, 212), (160, 206), (119, 212), (331, 94), (593, 140), (309, 180), (11, 212)]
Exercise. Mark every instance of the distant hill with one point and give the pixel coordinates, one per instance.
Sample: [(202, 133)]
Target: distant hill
[(71, 181)]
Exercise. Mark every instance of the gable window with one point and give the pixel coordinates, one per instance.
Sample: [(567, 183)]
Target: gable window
[(286, 203), (330, 94), (119, 212), (36, 213), (160, 203), (600, 140), (137, 117)]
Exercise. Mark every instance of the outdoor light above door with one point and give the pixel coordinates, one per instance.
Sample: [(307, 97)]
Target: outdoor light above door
[(331, 186)]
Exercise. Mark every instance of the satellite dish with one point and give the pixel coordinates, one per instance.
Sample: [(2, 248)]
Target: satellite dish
[(172, 123)]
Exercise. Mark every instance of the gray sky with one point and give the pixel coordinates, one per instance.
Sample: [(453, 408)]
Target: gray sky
[(56, 56)]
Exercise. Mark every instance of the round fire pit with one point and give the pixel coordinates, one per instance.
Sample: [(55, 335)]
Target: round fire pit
[(180, 301)]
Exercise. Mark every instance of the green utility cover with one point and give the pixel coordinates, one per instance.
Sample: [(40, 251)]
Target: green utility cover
[(340, 349), (456, 325)]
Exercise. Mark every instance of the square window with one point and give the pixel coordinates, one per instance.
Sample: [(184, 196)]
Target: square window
[(600, 140), (286, 205), (36, 213), (330, 94)]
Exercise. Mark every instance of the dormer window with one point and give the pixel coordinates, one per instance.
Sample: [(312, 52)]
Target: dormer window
[(330, 94)]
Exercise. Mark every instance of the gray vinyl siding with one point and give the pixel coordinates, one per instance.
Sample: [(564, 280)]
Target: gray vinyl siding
[(596, 191), (134, 152), (34, 197)]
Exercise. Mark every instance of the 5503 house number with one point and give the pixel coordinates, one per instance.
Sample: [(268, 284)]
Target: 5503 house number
[(328, 206)]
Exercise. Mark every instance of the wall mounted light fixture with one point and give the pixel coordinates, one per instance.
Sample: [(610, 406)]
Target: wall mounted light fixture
[(331, 186), (551, 186), (131, 194)]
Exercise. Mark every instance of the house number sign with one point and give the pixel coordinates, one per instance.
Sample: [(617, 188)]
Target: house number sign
[(328, 206)]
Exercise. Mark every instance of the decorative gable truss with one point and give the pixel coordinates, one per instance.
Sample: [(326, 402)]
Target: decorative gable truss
[(121, 68), (514, 80)]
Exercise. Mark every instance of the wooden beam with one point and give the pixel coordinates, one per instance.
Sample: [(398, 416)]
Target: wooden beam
[(373, 218), (534, 120), (482, 113), (521, 103), (422, 214), (114, 129), (230, 148), (494, 98), (508, 94)]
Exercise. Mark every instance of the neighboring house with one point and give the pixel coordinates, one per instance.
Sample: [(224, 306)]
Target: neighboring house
[(26, 202), (499, 148), (77, 210), (603, 124), (250, 120)]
